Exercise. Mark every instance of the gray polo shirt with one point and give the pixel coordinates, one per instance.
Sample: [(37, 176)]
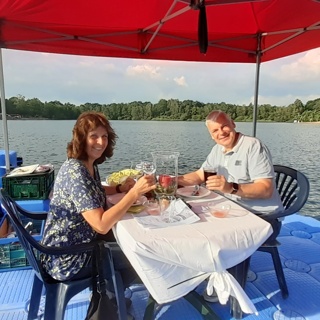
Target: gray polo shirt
[(248, 161)]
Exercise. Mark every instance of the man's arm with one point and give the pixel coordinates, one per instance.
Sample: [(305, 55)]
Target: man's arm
[(260, 168), (259, 189), (192, 178)]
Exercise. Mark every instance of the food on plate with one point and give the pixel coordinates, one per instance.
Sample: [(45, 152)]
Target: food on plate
[(120, 177), (187, 192), (115, 198), (136, 209)]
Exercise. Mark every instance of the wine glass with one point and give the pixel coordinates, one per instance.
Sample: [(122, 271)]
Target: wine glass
[(148, 167), (209, 171), (138, 166), (167, 207)]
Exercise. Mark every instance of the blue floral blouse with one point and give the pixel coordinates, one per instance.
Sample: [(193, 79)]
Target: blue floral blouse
[(75, 191)]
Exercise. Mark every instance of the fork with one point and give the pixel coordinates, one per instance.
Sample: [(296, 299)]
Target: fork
[(195, 192)]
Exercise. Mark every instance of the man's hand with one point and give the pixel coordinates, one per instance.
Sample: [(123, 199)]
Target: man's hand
[(258, 189), (218, 183)]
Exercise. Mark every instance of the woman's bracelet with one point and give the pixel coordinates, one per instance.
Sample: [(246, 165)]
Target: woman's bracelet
[(118, 188)]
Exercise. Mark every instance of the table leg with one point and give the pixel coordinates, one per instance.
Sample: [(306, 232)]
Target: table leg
[(149, 312), (193, 298), (200, 304), (239, 272)]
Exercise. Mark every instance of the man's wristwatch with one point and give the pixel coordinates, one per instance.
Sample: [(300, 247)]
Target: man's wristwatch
[(235, 188)]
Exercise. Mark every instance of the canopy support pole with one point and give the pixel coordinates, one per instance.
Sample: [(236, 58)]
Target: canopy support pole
[(4, 116), (256, 86)]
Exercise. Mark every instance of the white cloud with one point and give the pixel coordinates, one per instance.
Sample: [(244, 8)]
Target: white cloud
[(144, 70), (81, 79), (180, 81), (305, 68)]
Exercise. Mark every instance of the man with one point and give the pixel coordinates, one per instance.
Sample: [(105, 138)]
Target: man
[(244, 167), (244, 171)]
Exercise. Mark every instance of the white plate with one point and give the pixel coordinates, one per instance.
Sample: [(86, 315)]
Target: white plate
[(187, 191), (115, 198)]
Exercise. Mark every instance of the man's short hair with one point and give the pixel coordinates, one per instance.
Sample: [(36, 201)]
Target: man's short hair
[(214, 115)]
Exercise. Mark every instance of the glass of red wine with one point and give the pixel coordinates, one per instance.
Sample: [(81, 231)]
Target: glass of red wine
[(209, 171)]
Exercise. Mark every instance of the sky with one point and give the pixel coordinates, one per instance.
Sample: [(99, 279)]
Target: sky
[(82, 79)]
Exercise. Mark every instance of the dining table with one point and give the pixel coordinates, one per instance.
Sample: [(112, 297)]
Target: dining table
[(173, 259)]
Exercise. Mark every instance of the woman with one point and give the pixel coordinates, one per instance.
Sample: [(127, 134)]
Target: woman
[(78, 210)]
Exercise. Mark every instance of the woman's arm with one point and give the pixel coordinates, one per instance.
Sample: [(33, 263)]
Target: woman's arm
[(102, 221), (129, 183)]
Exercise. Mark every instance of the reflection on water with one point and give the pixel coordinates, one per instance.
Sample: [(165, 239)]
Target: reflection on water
[(295, 145)]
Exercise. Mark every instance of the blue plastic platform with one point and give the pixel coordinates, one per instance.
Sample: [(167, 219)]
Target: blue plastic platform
[(300, 254), (34, 205), (13, 162)]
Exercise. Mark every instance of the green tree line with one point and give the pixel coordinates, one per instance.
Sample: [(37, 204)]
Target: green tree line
[(172, 109)]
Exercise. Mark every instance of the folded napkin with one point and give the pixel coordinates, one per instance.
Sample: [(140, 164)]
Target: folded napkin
[(178, 213)]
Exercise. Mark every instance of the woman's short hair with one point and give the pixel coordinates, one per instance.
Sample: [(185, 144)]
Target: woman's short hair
[(86, 122)]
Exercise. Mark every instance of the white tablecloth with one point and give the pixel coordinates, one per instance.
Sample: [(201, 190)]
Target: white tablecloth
[(166, 258)]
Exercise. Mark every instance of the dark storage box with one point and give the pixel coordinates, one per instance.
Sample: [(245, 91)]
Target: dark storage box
[(27, 187), (12, 254)]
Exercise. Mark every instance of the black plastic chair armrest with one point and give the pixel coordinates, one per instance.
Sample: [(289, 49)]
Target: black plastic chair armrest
[(75, 249), (32, 215), (277, 215)]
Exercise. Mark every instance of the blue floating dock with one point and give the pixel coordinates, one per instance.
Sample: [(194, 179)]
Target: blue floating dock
[(300, 255)]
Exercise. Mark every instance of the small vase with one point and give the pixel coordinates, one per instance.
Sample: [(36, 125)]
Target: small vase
[(166, 166)]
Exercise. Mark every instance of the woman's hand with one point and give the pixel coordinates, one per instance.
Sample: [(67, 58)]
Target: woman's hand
[(129, 183), (144, 185)]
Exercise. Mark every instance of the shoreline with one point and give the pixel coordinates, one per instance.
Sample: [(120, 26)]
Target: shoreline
[(258, 121), (313, 122)]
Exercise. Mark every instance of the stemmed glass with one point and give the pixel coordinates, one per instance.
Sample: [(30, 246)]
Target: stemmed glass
[(139, 167), (167, 207), (148, 167), (145, 167)]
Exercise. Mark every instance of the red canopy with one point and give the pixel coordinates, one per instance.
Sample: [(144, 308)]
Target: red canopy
[(161, 29), (238, 30)]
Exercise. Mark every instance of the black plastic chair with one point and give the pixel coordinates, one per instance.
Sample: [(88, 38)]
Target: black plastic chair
[(58, 293), (293, 187)]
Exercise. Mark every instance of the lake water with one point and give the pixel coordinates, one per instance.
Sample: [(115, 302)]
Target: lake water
[(292, 144)]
